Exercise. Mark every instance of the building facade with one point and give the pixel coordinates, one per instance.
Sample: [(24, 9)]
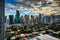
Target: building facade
[(36, 19), (32, 19), (17, 17), (40, 17), (57, 19), (11, 19), (22, 20), (5, 19), (2, 19), (47, 19), (26, 19)]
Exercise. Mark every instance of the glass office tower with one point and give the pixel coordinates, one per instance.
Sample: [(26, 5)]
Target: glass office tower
[(17, 17), (11, 19)]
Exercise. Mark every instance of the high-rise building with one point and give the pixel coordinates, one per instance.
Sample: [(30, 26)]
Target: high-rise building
[(43, 20), (11, 19), (52, 19), (57, 18), (22, 20), (40, 18), (17, 17), (32, 19), (26, 20), (1, 19), (5, 19), (47, 19), (36, 20)]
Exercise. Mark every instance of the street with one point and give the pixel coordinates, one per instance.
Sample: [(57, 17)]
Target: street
[(47, 37)]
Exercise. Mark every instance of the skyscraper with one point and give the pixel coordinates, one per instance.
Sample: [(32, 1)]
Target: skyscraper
[(22, 20), (47, 19), (36, 19), (42, 18), (57, 18), (1, 19), (17, 17), (32, 19), (5, 19), (26, 21), (52, 19), (39, 18), (11, 19)]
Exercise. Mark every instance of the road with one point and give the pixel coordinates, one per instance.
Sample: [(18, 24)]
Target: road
[(47, 37)]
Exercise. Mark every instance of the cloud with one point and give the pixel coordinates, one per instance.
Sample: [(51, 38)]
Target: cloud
[(56, 0), (12, 11), (27, 12), (19, 0), (51, 0), (34, 5), (36, 14), (9, 11), (27, 3), (6, 14), (10, 6), (17, 6)]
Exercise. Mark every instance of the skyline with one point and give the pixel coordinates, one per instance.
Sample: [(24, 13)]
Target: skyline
[(30, 7)]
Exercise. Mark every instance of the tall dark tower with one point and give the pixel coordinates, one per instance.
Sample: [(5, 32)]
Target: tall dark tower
[(17, 17), (1, 19), (11, 18), (32, 19)]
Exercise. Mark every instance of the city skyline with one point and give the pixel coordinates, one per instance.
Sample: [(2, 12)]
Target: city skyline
[(26, 19)]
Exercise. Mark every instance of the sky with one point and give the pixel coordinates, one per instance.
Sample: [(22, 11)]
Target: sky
[(30, 7)]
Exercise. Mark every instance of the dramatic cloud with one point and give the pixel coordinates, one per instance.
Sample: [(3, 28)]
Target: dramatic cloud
[(27, 3), (35, 6)]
